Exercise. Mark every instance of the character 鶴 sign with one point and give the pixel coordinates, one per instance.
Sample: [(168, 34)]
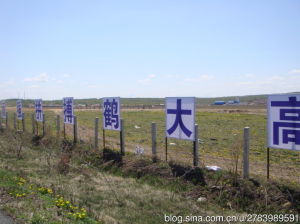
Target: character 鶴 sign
[(284, 121), (180, 117), (68, 110), (111, 113)]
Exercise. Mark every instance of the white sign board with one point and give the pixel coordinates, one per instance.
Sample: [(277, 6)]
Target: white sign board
[(111, 113), (68, 110), (19, 110), (180, 117), (3, 110), (39, 110), (284, 121)]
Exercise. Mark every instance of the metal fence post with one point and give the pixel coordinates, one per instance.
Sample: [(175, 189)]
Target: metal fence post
[(23, 123), (44, 125), (32, 123), (15, 121), (96, 131), (268, 163), (246, 153), (58, 126), (122, 138), (154, 143), (75, 129), (196, 147), (166, 148), (6, 120)]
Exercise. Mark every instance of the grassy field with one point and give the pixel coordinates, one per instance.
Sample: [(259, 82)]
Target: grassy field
[(220, 133), (38, 185), (51, 180)]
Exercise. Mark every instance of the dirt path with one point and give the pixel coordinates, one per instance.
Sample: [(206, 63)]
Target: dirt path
[(4, 219)]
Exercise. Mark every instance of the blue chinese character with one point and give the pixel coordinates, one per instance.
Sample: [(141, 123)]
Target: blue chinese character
[(178, 120), (19, 110), (111, 113), (107, 113), (68, 111), (292, 115), (38, 110), (114, 114)]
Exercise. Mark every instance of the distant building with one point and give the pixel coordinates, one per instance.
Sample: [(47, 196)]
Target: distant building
[(219, 102), (230, 102)]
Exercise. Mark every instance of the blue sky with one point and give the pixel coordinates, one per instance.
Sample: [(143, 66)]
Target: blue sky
[(88, 48)]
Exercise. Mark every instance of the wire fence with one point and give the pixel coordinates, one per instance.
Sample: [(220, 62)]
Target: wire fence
[(220, 139)]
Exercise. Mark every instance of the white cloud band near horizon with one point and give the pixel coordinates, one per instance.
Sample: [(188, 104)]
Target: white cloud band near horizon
[(48, 86)]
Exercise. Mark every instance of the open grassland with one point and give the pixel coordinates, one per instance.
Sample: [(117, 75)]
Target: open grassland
[(146, 101), (221, 134)]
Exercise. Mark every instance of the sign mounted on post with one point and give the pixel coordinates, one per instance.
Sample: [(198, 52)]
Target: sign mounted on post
[(284, 121), (3, 109), (111, 113), (68, 110), (19, 110), (180, 118), (39, 110)]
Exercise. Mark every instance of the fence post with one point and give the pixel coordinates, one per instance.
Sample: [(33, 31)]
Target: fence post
[(44, 125), (166, 147), (96, 132), (246, 153), (6, 120), (23, 123), (103, 139), (15, 121), (196, 146), (122, 138), (32, 123), (58, 126), (65, 130), (268, 163), (75, 129), (153, 131)]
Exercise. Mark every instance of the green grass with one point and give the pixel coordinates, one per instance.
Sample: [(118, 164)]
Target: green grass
[(219, 131), (28, 204), (109, 194)]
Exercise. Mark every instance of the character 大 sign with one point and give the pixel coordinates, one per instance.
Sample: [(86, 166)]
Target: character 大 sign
[(284, 121), (68, 110), (180, 117), (39, 110), (111, 113)]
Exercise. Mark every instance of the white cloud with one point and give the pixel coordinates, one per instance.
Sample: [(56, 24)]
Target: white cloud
[(295, 71), (200, 78), (249, 75), (66, 75), (43, 77), (92, 86), (276, 78), (9, 82), (148, 79), (271, 84), (59, 81), (34, 86)]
